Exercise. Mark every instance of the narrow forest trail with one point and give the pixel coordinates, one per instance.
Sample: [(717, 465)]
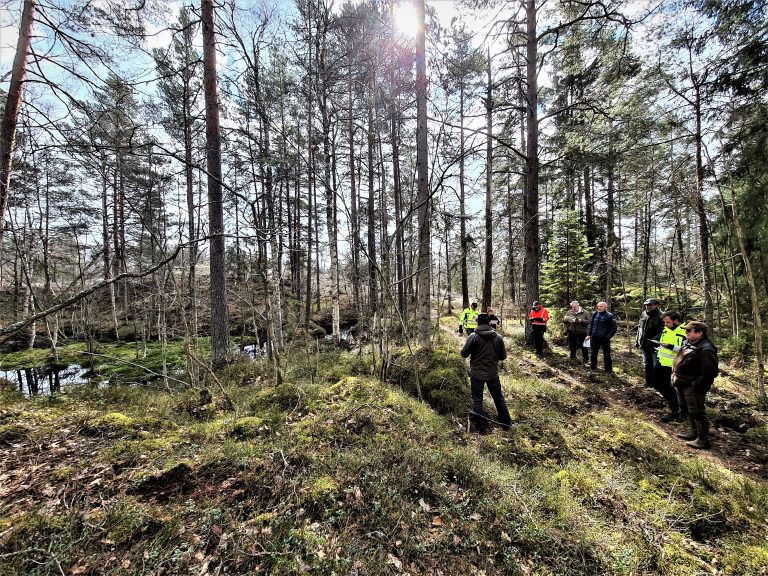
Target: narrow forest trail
[(625, 390)]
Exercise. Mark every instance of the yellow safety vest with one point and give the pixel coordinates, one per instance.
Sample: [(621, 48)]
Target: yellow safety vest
[(674, 337), (469, 318)]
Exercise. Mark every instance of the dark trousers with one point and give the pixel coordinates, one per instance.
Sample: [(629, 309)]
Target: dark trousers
[(478, 416), (538, 337), (649, 363), (576, 341), (662, 382), (692, 400), (598, 343)]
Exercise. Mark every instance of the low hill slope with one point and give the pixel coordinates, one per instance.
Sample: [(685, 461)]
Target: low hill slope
[(336, 472)]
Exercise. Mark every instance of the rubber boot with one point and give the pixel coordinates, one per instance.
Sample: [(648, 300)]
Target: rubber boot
[(693, 434), (702, 441)]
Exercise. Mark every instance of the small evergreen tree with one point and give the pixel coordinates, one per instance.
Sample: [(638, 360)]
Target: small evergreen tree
[(567, 273)]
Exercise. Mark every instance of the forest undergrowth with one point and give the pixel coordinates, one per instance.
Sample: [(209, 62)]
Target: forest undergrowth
[(337, 472)]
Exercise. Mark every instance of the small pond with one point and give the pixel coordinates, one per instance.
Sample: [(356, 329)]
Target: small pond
[(46, 380)]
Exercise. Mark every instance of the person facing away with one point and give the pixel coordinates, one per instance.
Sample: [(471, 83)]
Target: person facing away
[(485, 349), (693, 372), (602, 327), (538, 316), (670, 343), (648, 329), (469, 318), (576, 322), (493, 320)]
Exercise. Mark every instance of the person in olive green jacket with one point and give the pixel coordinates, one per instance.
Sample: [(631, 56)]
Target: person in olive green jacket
[(576, 322)]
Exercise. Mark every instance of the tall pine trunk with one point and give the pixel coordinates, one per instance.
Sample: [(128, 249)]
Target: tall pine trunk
[(219, 313), (422, 175)]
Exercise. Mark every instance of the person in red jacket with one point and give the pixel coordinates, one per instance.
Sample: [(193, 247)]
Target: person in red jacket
[(538, 316)]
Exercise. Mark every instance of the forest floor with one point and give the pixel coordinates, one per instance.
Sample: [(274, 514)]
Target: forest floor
[(336, 472)]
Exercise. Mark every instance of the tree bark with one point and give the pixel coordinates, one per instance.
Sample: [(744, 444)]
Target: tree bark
[(422, 172), (218, 270), (12, 107), (488, 276), (531, 196)]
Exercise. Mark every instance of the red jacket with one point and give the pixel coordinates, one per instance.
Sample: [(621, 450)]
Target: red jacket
[(540, 317)]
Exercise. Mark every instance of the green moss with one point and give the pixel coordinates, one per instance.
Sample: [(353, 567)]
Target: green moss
[(132, 452), (249, 427), (746, 560), (440, 373)]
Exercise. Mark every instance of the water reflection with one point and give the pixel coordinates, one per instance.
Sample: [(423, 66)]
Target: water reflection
[(344, 335), (45, 380)]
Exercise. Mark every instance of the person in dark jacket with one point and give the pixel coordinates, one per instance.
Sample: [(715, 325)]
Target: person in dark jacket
[(649, 329), (485, 348), (693, 373), (576, 321), (602, 327)]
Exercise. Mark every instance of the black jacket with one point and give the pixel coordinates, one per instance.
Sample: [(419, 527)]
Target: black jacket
[(485, 348), (695, 365), (602, 325), (649, 328)]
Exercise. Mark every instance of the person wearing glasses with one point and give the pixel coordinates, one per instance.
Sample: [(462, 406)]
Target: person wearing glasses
[(693, 372)]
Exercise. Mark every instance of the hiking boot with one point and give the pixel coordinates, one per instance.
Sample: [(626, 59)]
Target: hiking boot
[(698, 443), (693, 434), (702, 431), (672, 417)]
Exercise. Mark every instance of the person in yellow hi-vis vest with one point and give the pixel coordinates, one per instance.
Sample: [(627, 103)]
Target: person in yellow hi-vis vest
[(468, 319), (670, 342)]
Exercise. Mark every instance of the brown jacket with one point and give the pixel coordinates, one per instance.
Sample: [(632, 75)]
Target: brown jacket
[(695, 365)]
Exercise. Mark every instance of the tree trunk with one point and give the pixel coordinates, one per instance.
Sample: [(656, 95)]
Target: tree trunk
[(373, 304), (531, 196), (488, 276), (462, 207), (219, 314), (12, 107), (422, 172), (355, 222)]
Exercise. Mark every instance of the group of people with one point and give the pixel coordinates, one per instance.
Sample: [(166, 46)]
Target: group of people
[(680, 362)]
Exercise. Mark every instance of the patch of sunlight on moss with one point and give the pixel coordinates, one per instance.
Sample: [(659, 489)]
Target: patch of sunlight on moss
[(678, 560), (131, 452), (324, 487), (250, 427), (204, 432), (746, 560)]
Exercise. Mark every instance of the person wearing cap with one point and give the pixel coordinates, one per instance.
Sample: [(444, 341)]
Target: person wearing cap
[(649, 329), (576, 322), (538, 316), (485, 348), (693, 372), (670, 343), (602, 327), (469, 318)]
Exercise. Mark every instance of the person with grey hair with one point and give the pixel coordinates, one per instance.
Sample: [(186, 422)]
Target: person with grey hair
[(576, 321)]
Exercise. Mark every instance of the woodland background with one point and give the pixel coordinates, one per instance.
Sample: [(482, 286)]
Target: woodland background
[(242, 167)]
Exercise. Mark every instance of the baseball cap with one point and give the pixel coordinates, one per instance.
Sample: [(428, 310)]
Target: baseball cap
[(650, 301)]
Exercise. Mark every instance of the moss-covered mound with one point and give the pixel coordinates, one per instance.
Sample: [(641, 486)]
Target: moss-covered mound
[(440, 372)]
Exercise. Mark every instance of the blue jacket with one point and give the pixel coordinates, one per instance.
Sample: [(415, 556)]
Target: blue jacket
[(602, 325)]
